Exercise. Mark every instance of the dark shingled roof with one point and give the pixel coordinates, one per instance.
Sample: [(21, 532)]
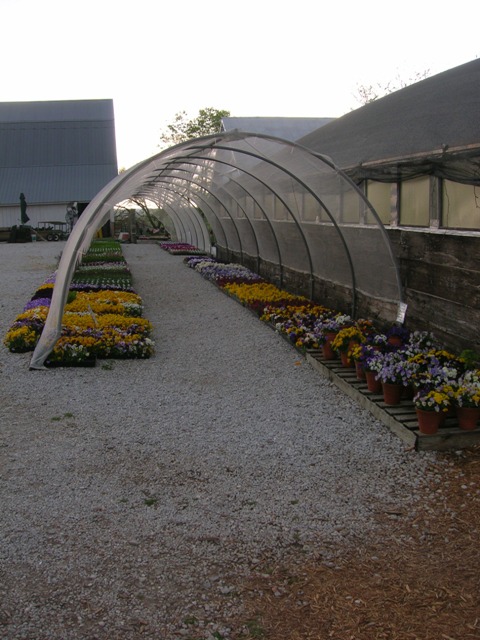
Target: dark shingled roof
[(287, 128), (432, 126)]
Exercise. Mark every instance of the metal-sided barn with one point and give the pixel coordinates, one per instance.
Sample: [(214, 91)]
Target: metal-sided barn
[(56, 153)]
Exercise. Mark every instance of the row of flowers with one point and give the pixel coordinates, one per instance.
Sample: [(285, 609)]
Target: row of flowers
[(111, 274), (102, 318), (415, 360), (181, 248)]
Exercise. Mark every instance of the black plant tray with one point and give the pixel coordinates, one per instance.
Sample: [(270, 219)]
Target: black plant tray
[(59, 363)]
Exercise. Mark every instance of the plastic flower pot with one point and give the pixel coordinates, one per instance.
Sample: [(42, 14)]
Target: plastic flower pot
[(392, 393), (373, 385), (429, 421), (467, 417), (346, 361), (328, 352), (359, 370)]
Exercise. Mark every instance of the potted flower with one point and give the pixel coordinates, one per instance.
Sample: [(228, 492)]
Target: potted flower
[(397, 335), (328, 328), (431, 407), (378, 340), (371, 360), (366, 327), (421, 341), (467, 400), (431, 370), (344, 341), (356, 354), (395, 373)]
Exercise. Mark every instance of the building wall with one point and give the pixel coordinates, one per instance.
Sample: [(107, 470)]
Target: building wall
[(55, 152), (428, 202), (10, 216), (440, 276)]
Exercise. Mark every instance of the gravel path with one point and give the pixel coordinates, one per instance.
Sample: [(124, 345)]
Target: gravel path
[(137, 496)]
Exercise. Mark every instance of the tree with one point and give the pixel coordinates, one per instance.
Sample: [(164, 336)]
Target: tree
[(369, 93), (144, 216), (208, 121)]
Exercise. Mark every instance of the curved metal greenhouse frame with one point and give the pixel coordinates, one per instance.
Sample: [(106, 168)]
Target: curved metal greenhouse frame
[(267, 200)]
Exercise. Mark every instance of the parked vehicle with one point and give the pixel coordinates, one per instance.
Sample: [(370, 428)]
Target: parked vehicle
[(52, 230)]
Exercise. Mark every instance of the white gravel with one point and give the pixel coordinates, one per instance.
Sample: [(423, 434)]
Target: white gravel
[(136, 496)]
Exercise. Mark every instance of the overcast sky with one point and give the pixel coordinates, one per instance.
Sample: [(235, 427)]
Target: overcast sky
[(253, 58)]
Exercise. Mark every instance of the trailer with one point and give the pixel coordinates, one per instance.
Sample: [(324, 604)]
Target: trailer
[(52, 230)]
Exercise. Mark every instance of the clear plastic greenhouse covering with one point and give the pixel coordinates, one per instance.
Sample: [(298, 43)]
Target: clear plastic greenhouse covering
[(265, 199)]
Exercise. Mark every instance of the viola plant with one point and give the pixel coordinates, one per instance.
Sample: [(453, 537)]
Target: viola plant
[(257, 296), (21, 338), (25, 331), (366, 327), (72, 350), (223, 274), (371, 359), (398, 332), (192, 261), (433, 400), (394, 368), (297, 322), (346, 338), (100, 302), (334, 323), (103, 252), (181, 248), (96, 323), (37, 302), (433, 369), (112, 275), (421, 341), (467, 392), (377, 340)]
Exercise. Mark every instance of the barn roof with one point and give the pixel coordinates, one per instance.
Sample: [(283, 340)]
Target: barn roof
[(431, 126), (56, 151)]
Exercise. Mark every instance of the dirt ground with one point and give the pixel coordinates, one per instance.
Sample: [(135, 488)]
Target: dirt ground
[(420, 582)]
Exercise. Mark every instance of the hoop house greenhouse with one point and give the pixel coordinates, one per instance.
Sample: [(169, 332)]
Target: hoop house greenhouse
[(284, 211)]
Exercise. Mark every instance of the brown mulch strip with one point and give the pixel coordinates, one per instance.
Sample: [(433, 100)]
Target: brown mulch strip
[(421, 581)]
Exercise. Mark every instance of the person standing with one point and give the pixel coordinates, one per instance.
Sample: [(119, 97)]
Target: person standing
[(23, 209)]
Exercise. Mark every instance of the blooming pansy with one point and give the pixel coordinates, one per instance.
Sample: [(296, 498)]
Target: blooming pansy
[(433, 400), (99, 322)]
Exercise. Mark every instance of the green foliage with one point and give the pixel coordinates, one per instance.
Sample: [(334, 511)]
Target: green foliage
[(145, 215), (471, 358), (58, 418), (103, 250), (208, 121), (150, 502)]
